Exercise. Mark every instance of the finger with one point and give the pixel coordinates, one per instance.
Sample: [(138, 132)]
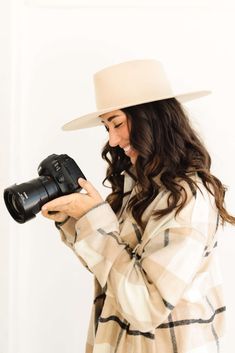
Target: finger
[(57, 204), (86, 185), (48, 214), (58, 217)]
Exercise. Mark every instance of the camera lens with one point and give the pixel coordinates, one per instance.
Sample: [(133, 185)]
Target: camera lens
[(16, 203), (25, 200)]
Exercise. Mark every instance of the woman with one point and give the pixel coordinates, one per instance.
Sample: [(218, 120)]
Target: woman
[(152, 244)]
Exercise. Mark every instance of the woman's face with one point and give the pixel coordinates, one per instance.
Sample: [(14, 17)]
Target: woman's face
[(118, 127)]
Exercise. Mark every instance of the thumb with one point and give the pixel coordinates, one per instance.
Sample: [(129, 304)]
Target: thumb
[(86, 185), (81, 182)]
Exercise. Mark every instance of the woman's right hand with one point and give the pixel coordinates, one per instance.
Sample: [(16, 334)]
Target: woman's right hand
[(73, 205)]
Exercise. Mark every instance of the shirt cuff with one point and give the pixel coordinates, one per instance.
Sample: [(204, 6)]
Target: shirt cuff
[(99, 217)]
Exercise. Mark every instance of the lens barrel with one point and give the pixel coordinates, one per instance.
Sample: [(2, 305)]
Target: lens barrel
[(25, 200)]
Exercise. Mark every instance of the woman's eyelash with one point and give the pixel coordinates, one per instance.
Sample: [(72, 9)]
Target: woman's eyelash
[(115, 126)]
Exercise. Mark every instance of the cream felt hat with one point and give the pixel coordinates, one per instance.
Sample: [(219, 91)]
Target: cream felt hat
[(127, 84)]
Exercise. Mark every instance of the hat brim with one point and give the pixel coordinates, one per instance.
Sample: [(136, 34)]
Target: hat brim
[(92, 119)]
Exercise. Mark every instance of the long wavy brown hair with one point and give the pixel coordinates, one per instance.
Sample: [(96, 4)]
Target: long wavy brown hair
[(167, 147)]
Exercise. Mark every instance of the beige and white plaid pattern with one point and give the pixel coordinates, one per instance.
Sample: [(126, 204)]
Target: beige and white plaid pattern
[(157, 291)]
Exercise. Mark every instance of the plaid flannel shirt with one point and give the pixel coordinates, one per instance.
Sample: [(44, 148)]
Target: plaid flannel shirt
[(156, 291)]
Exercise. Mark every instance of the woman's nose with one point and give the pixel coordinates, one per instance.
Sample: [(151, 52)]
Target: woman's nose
[(113, 138)]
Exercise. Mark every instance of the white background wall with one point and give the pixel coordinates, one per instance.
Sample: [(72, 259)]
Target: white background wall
[(49, 51)]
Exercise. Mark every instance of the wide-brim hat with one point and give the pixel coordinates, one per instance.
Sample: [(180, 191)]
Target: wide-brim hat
[(126, 84)]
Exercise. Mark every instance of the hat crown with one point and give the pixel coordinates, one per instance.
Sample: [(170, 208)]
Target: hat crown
[(131, 82)]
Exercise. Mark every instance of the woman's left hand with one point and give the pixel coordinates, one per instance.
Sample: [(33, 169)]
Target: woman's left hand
[(74, 205)]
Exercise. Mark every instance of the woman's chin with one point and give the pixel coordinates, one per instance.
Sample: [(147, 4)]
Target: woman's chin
[(133, 159)]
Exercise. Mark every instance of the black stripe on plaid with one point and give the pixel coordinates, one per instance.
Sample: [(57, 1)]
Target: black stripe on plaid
[(213, 328), (168, 325), (173, 337), (119, 340), (126, 327), (111, 234), (166, 237), (168, 305), (208, 252), (99, 297), (192, 321)]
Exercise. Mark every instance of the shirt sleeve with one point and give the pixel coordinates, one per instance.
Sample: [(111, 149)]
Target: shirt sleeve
[(68, 232), (146, 284)]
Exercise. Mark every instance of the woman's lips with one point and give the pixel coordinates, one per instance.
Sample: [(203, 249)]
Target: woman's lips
[(130, 152)]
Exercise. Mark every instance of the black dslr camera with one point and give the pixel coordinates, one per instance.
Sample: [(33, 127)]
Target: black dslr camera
[(58, 175)]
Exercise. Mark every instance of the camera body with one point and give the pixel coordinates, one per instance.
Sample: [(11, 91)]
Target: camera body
[(58, 176), (63, 170)]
